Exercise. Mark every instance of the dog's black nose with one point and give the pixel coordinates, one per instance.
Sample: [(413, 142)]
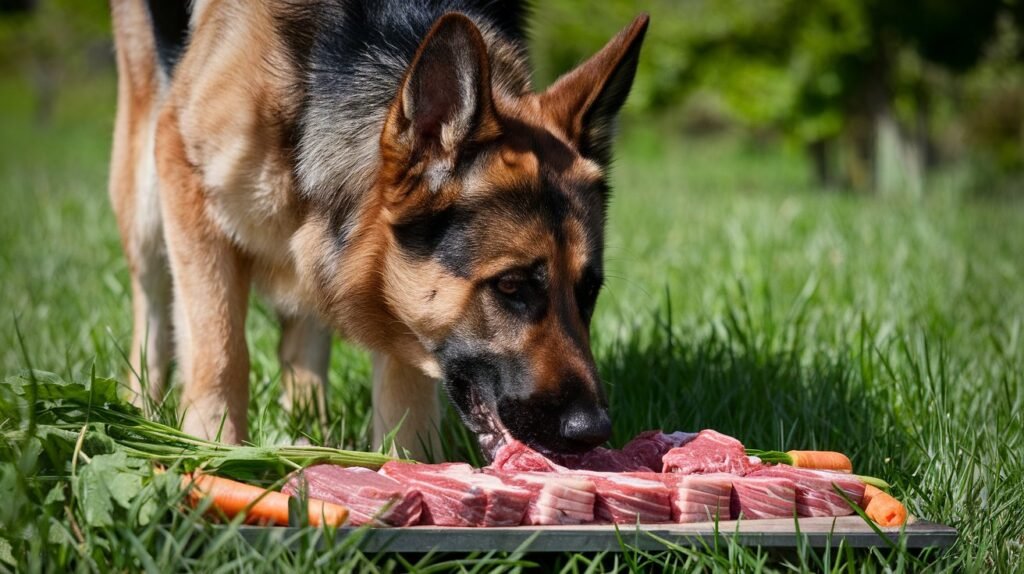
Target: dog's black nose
[(587, 426)]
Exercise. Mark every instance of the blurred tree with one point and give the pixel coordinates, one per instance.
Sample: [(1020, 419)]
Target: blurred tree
[(852, 81), (15, 6), (994, 92), (46, 40)]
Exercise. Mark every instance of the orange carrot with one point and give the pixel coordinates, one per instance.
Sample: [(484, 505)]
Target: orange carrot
[(870, 492), (261, 506), (883, 508), (821, 460)]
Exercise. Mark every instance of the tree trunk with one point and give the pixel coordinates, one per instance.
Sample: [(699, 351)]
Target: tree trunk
[(899, 157), (45, 84), (820, 152)]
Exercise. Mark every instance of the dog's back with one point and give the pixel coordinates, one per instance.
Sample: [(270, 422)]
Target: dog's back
[(356, 27), (336, 63)]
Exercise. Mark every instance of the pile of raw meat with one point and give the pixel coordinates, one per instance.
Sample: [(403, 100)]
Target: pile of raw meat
[(657, 477)]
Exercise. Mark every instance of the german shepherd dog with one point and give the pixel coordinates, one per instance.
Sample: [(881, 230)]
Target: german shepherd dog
[(377, 168)]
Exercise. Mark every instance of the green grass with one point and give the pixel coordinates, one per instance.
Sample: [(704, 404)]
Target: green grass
[(739, 298)]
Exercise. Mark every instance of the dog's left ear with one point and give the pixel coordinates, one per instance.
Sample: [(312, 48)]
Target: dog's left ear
[(445, 100), (586, 101)]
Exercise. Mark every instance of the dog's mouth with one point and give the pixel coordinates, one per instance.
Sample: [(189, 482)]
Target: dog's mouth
[(491, 433), (479, 415)]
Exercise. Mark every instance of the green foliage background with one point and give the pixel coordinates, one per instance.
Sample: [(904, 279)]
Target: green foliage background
[(810, 73), (819, 76)]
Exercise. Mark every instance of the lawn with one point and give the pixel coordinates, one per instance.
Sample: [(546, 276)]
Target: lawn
[(739, 298)]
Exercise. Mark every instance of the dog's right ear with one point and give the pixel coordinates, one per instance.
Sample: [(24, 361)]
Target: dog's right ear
[(444, 103)]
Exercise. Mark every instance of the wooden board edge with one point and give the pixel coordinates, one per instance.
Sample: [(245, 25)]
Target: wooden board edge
[(918, 536)]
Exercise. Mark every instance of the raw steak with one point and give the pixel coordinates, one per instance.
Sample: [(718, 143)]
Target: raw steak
[(710, 452), (625, 499), (370, 497), (649, 447), (557, 499), (814, 493), (455, 494), (697, 497), (642, 454), (603, 459), (517, 456), (763, 497)]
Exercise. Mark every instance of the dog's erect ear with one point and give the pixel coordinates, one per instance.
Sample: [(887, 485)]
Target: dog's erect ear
[(445, 100), (586, 101)]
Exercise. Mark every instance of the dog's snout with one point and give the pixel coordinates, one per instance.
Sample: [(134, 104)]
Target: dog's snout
[(586, 425)]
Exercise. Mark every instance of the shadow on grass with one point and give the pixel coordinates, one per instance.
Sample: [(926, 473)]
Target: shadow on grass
[(763, 386)]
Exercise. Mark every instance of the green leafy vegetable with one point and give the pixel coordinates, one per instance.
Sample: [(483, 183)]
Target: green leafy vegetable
[(100, 416)]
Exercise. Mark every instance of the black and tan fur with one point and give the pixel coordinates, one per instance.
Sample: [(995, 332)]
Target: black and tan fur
[(379, 169)]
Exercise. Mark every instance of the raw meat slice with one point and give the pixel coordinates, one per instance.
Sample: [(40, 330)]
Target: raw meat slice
[(703, 497), (647, 448), (626, 499), (763, 497), (642, 454), (696, 497), (455, 494), (603, 459), (557, 499), (506, 503), (370, 497), (447, 501), (699, 497), (517, 456), (710, 452), (814, 493)]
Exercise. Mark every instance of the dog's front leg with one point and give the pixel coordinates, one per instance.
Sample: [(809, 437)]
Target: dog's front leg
[(404, 394), (211, 291), (305, 354)]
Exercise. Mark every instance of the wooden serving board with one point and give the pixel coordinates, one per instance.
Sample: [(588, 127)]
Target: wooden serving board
[(768, 533)]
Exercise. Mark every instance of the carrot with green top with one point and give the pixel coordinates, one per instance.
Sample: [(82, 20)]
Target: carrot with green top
[(821, 460), (261, 506), (814, 459), (883, 508)]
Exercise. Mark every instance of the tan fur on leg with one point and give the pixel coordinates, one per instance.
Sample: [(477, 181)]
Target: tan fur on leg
[(400, 390), (151, 334), (134, 196), (211, 291)]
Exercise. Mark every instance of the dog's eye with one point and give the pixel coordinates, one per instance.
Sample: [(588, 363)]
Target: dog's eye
[(519, 292), (509, 285)]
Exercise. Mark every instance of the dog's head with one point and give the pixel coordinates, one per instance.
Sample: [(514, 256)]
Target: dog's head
[(495, 201)]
